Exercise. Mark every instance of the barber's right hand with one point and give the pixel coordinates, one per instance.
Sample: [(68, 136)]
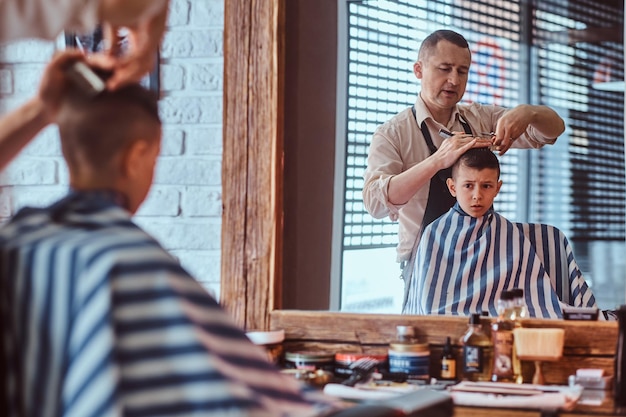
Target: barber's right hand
[(54, 81), (456, 145)]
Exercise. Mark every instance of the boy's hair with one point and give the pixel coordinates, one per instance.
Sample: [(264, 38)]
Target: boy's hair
[(431, 41), (477, 158), (95, 130)]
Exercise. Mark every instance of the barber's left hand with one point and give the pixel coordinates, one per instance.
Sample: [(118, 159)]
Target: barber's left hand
[(54, 81), (510, 126), (145, 25)]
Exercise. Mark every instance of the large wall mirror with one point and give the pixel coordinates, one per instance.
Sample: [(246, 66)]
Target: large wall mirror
[(308, 81)]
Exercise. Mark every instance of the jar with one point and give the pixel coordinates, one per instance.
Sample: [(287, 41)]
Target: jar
[(412, 359), (271, 341), (344, 360), (311, 361)]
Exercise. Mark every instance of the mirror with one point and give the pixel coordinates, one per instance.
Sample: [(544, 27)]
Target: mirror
[(262, 267)]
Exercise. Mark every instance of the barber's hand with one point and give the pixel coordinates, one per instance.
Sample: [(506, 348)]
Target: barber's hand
[(511, 125), (139, 59), (54, 82), (455, 146)]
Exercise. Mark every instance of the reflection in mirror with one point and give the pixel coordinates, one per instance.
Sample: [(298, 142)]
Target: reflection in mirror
[(540, 53)]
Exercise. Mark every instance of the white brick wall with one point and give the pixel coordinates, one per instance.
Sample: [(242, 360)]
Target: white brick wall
[(183, 210)]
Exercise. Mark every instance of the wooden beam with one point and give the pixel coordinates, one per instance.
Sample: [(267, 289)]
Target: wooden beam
[(252, 153)]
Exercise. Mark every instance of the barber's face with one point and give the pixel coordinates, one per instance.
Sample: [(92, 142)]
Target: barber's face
[(443, 71), (475, 189)]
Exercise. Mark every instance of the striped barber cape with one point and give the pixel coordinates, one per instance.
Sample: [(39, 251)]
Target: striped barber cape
[(464, 263), (99, 320)]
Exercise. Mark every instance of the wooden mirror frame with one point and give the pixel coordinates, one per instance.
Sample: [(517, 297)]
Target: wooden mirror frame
[(252, 189), (252, 170)]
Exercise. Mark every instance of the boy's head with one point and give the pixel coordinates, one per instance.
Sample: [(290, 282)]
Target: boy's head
[(475, 180), (112, 141)]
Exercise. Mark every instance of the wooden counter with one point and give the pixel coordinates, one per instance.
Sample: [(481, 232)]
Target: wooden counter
[(587, 345)]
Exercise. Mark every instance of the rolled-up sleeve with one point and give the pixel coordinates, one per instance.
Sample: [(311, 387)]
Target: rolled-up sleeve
[(484, 118), (46, 19), (383, 163)]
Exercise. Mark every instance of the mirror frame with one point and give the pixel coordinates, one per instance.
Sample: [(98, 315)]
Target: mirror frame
[(252, 164)]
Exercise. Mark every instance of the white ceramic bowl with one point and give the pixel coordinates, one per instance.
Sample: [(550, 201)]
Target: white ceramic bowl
[(266, 338)]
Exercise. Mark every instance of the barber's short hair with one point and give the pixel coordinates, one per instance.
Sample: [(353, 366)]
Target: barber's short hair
[(431, 41), (94, 130), (477, 158)]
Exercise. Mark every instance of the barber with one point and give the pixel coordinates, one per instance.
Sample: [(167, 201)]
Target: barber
[(408, 157)]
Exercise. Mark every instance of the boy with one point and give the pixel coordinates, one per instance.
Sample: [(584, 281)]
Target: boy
[(468, 256), (98, 319)]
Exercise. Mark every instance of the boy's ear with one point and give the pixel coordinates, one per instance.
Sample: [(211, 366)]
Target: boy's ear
[(499, 185), (452, 189), (133, 158)]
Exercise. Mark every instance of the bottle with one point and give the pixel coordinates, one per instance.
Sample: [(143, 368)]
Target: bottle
[(502, 339), (476, 353), (407, 355), (448, 362), (517, 313), (619, 383), (519, 305)]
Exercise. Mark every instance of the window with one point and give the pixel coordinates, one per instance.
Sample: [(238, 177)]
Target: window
[(559, 53)]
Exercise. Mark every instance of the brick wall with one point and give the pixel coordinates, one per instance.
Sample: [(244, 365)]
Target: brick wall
[(183, 209)]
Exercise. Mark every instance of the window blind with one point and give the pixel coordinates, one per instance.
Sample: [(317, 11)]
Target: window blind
[(564, 55), (586, 171), (383, 39)]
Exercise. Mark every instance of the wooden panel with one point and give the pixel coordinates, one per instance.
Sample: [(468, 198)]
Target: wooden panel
[(380, 329), (250, 172)]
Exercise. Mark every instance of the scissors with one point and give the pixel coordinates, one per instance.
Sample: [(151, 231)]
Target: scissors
[(446, 134)]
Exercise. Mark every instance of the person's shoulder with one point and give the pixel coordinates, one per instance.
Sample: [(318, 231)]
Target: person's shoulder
[(26, 219), (432, 227), (479, 110), (500, 217), (395, 123)]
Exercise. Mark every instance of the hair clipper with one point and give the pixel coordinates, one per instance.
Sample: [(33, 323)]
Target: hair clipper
[(89, 80)]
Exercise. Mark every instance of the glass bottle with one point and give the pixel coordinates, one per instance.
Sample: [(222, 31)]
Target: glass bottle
[(517, 313), (502, 339), (519, 305), (476, 353), (448, 362)]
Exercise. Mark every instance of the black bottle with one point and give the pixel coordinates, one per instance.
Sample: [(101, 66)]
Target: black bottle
[(448, 362)]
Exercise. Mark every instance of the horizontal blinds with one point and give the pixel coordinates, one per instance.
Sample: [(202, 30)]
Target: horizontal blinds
[(383, 39), (578, 185)]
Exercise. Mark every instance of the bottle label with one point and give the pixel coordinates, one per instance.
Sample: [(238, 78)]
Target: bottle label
[(414, 364), (503, 354), (472, 359), (448, 368)]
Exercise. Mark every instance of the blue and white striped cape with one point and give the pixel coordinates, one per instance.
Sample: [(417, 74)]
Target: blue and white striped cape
[(464, 263), (99, 320)]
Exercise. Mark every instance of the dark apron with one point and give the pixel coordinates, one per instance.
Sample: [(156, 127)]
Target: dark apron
[(439, 201), (439, 198)]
